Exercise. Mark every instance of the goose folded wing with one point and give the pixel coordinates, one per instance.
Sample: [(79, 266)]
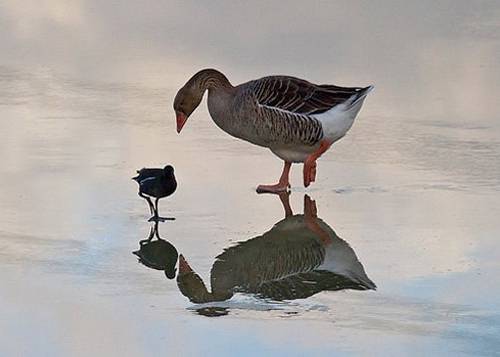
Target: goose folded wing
[(299, 96), (288, 105), (283, 128)]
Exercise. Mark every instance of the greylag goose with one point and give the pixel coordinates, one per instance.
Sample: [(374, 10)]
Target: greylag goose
[(157, 254), (299, 257), (297, 120), (156, 183)]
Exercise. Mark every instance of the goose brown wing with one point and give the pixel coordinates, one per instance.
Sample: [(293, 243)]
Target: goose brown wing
[(299, 96)]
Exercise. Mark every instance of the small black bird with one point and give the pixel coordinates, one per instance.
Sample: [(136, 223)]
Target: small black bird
[(156, 183)]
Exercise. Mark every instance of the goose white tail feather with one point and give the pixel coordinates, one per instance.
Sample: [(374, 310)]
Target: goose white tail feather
[(338, 120), (351, 102)]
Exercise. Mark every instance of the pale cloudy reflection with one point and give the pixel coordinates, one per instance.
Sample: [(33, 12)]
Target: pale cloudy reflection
[(86, 92)]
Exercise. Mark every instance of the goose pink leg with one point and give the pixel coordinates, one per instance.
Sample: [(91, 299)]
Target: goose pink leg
[(285, 201), (281, 186), (309, 171), (311, 217)]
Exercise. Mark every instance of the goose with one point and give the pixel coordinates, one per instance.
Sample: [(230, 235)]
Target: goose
[(299, 257), (157, 183), (296, 119)]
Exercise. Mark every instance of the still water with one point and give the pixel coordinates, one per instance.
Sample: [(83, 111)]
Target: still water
[(393, 250)]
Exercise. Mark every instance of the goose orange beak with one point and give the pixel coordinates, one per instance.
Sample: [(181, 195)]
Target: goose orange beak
[(183, 265), (181, 120)]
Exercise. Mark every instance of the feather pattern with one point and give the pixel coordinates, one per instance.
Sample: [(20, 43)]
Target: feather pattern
[(300, 96), (283, 127)]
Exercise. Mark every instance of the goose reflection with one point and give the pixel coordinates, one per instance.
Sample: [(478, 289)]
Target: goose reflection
[(299, 257), (157, 254)]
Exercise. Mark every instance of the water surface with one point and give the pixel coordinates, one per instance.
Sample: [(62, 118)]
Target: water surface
[(86, 91)]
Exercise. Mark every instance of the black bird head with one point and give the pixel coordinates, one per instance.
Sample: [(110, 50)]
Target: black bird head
[(169, 170)]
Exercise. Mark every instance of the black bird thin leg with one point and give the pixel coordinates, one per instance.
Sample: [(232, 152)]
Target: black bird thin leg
[(150, 204), (161, 219), (157, 234), (152, 231), (155, 216), (156, 208)]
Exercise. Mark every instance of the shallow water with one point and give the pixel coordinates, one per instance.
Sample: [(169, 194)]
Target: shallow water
[(413, 190)]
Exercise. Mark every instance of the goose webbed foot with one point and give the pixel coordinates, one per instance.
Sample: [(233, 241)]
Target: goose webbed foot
[(309, 172), (310, 163), (310, 210), (283, 184), (312, 221), (277, 188)]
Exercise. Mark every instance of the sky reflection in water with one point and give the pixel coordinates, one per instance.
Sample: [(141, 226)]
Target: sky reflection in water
[(86, 91)]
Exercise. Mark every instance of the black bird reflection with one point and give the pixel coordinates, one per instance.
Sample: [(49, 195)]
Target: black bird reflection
[(157, 254), (299, 257)]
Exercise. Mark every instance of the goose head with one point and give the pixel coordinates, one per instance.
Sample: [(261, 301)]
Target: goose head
[(189, 96), (186, 101), (191, 285)]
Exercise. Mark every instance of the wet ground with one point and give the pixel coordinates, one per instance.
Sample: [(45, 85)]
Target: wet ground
[(394, 250)]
